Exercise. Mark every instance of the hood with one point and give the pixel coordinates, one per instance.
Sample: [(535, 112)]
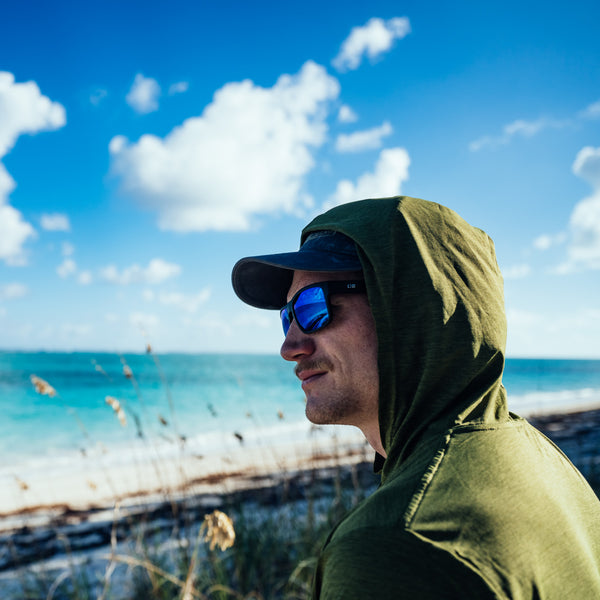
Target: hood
[(436, 294)]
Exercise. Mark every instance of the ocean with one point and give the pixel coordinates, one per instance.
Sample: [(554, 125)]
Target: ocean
[(212, 401)]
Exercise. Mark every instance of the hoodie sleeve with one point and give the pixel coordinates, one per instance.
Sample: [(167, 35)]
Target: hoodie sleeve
[(373, 564)]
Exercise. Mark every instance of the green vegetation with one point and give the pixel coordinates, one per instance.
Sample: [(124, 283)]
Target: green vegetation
[(278, 533)]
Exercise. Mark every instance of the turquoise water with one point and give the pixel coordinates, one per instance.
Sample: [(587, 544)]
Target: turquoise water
[(206, 398)]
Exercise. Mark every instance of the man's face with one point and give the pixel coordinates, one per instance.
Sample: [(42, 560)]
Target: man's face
[(338, 364)]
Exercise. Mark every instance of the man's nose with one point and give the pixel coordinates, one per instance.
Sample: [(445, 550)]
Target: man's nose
[(297, 344)]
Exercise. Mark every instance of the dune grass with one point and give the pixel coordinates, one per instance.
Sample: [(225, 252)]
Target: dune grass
[(258, 544)]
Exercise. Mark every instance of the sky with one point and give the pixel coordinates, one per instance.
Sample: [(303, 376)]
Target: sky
[(146, 146)]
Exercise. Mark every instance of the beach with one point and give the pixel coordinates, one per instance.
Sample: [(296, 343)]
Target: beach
[(87, 518), (197, 434)]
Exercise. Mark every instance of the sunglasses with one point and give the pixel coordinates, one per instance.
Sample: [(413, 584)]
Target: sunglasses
[(310, 306)]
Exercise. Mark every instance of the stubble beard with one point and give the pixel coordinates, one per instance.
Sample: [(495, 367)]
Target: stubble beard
[(326, 406)]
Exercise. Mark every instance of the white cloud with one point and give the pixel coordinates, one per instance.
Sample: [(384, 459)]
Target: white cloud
[(591, 112), (247, 154), (157, 271), (524, 128), (372, 39), (66, 268), (516, 272), (520, 127), (186, 302), (23, 110), (14, 232), (84, 278), (546, 241), (390, 172), (98, 96), (363, 140), (347, 115), (13, 291), (143, 95), (178, 88), (584, 224), (587, 166), (55, 222)]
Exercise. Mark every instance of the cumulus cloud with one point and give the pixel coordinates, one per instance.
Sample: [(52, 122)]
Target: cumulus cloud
[(157, 271), (584, 224), (368, 139), (347, 115), (14, 232), (23, 110), (372, 39), (55, 222), (143, 95), (12, 291), (246, 155), (390, 172)]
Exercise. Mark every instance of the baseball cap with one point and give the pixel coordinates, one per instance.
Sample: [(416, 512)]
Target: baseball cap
[(264, 281)]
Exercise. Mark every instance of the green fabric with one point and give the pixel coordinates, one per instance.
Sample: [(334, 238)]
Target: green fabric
[(474, 502)]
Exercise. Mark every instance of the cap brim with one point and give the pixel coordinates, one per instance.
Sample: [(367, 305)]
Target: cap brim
[(264, 281)]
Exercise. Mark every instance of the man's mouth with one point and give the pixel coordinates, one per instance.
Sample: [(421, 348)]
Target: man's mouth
[(309, 375)]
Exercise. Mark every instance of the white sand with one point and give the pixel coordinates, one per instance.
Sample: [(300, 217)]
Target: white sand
[(82, 483)]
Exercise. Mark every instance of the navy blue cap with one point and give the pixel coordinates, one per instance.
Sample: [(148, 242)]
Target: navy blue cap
[(264, 281)]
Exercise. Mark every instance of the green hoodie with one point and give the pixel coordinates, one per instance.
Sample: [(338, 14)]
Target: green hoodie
[(474, 502)]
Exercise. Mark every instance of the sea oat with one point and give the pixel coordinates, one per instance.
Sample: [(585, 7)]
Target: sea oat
[(219, 530), (23, 486), (116, 406), (280, 415), (127, 371), (42, 387)]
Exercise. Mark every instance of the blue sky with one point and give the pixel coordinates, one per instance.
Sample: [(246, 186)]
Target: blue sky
[(146, 146)]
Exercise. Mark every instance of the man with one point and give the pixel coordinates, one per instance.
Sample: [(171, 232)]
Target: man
[(394, 315)]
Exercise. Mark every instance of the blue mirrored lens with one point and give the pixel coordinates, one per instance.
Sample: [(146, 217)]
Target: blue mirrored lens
[(286, 319), (310, 309)]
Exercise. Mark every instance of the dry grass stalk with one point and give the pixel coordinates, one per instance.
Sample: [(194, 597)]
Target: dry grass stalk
[(116, 406), (151, 568), (23, 486), (219, 530), (42, 387)]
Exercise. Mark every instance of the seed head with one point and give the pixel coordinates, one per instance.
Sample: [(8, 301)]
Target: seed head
[(116, 406), (42, 387), (219, 530)]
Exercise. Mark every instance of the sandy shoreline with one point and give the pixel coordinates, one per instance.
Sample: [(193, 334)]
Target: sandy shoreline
[(86, 484), (92, 485), (185, 487)]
